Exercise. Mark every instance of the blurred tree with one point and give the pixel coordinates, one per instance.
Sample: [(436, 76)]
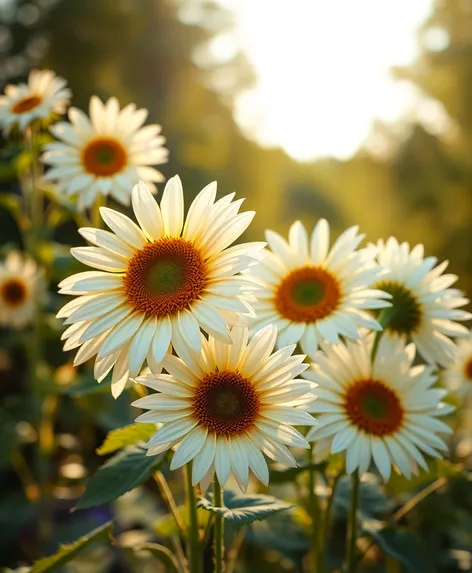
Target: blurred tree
[(432, 170)]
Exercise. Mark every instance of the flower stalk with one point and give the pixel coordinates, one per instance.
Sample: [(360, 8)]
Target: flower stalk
[(34, 200), (352, 523), (193, 545), (218, 540), (314, 512)]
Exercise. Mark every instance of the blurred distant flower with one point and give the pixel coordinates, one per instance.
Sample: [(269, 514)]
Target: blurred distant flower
[(106, 154), (45, 93), (314, 293), (161, 283), (21, 287), (227, 405), (385, 411), (458, 375), (424, 308)]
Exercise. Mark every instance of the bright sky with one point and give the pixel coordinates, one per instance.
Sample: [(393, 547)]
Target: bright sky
[(322, 70)]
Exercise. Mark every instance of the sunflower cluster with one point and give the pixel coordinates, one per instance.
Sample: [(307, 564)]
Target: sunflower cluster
[(172, 304)]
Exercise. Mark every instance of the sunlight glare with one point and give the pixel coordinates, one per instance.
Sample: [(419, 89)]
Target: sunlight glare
[(323, 70)]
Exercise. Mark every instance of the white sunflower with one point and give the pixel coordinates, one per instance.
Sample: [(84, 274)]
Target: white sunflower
[(458, 375), (227, 405), (21, 289), (159, 282), (105, 154), (386, 411), (314, 293), (45, 93), (424, 308)]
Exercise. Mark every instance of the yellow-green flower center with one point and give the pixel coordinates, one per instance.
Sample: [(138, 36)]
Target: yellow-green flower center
[(404, 317), (165, 276)]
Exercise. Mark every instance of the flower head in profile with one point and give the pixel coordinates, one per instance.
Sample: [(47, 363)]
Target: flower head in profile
[(226, 406), (44, 94), (314, 293), (424, 308), (385, 412), (106, 153), (158, 282), (458, 375), (21, 289)]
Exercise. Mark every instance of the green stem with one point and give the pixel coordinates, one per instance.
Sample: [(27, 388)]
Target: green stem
[(169, 500), (385, 317), (36, 197), (193, 545), (218, 551), (352, 523), (325, 525), (95, 216), (314, 511), (34, 346)]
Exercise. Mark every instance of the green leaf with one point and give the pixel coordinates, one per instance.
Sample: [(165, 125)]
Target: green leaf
[(127, 436), (289, 474), (68, 552), (163, 554), (242, 509), (120, 474), (402, 545)]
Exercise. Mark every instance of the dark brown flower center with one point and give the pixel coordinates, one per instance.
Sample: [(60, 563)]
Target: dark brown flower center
[(468, 369), (104, 157), (13, 292), (165, 277), (226, 403), (26, 104), (373, 407), (307, 294)]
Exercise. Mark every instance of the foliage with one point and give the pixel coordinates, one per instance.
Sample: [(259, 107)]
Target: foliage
[(123, 472), (242, 509), (68, 552)]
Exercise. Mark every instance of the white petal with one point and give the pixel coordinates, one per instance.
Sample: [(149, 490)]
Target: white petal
[(222, 460), (121, 333), (172, 207), (120, 374), (189, 447), (291, 334), (147, 212), (258, 350), (190, 330), (161, 340), (204, 459), (105, 322), (319, 242), (107, 240), (211, 320), (140, 344), (123, 227), (239, 462), (100, 258), (172, 431)]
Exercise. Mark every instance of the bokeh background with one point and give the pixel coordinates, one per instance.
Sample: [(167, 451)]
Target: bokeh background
[(358, 111), (373, 97)]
